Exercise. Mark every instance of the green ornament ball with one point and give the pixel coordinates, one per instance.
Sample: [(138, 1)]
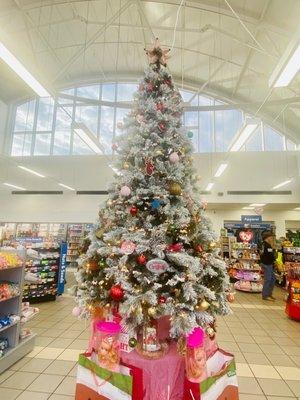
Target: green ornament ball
[(190, 134), (132, 342)]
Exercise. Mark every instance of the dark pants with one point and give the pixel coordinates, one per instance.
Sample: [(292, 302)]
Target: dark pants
[(269, 280)]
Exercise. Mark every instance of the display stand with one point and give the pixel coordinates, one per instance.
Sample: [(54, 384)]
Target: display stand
[(245, 268), (17, 348), (75, 240), (293, 282)]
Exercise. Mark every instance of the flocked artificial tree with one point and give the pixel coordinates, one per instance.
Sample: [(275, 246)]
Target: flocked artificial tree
[(152, 252)]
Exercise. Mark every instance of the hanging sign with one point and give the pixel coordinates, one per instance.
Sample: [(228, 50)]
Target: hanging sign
[(249, 219)]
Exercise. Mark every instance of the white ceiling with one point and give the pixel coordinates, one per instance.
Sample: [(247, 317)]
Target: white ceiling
[(224, 47)]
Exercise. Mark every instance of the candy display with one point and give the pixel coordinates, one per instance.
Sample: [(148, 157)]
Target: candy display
[(8, 260), (8, 290), (195, 357), (107, 344)]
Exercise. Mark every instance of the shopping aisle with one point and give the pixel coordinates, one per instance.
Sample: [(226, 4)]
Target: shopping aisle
[(266, 345)]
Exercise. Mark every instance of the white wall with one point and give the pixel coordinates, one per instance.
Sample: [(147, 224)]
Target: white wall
[(72, 208), (3, 119)]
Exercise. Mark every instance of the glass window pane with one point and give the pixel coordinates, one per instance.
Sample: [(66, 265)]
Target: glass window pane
[(290, 146), (63, 118), (205, 101), (255, 141), (79, 147), (89, 116), (227, 123), (42, 144), (70, 91), (107, 126), (61, 145), (121, 113), (21, 145), (186, 95), (205, 132), (191, 118), (108, 92), (25, 116), (89, 92), (126, 91), (273, 139), (45, 114), (194, 140)]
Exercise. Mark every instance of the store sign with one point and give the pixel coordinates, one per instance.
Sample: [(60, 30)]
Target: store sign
[(62, 268), (250, 219)]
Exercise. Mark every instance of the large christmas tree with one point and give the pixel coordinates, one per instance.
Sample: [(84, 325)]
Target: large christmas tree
[(152, 252)]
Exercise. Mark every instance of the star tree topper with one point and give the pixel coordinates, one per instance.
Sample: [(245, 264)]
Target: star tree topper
[(156, 54)]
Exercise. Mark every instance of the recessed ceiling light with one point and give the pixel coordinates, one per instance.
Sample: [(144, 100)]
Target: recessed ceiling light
[(31, 171), (282, 184), (221, 169), (66, 186), (209, 186), (20, 70), (257, 204), (297, 209), (13, 186), (247, 208)]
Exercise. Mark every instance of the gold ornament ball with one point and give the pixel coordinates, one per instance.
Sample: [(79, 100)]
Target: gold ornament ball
[(212, 245), (210, 332), (175, 189), (99, 233), (158, 152), (151, 311), (125, 165), (203, 306)]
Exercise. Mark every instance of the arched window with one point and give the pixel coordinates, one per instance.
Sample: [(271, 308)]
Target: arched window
[(43, 126)]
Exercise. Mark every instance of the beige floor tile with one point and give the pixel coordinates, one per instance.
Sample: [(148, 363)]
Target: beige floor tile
[(292, 350), (9, 394), (281, 360), (27, 395), (19, 380), (69, 355), (43, 341), (256, 358), (36, 365), (61, 343), (46, 383), (73, 371), (51, 353), (264, 371), (239, 357), (86, 334), (263, 339), (70, 334), (289, 373), (275, 387), (35, 351), (6, 374), (52, 332), (295, 387), (244, 370), (78, 344), (280, 398), (60, 367), (249, 386), (271, 349), (20, 363), (285, 341), (296, 360), (243, 339), (250, 348), (67, 386), (60, 397), (229, 346), (251, 397)]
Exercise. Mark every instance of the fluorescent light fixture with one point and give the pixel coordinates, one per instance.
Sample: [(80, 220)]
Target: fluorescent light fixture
[(20, 70), (88, 138), (257, 204), (221, 169), (66, 186), (288, 65), (247, 208), (13, 186), (31, 171), (282, 184), (209, 186), (244, 133), (297, 209)]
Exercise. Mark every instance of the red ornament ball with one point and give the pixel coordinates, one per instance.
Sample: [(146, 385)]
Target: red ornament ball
[(159, 106), (142, 259), (133, 211), (149, 168), (116, 293), (150, 86), (199, 248), (162, 300), (162, 126)]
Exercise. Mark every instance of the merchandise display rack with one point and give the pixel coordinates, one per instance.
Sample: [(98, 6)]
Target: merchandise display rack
[(292, 267), (75, 240), (245, 268), (17, 347)]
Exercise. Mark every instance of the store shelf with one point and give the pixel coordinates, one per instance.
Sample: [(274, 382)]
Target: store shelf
[(8, 326), (12, 355)]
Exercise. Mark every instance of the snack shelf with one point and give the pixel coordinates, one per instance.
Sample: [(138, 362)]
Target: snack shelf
[(257, 288)]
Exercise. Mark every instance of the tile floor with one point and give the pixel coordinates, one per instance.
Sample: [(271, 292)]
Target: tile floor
[(265, 342)]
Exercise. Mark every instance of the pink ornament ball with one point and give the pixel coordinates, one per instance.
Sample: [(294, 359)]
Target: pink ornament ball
[(174, 158), (114, 146), (125, 191), (76, 311)]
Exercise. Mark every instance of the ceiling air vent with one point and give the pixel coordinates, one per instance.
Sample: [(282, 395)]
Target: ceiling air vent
[(220, 194), (37, 192), (102, 192), (256, 192)]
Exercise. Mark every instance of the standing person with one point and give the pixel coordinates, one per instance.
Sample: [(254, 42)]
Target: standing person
[(267, 258)]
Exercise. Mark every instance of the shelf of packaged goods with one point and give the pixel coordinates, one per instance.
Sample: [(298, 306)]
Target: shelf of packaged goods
[(9, 298), (14, 354), (10, 268), (8, 326), (25, 320), (246, 289), (248, 280), (246, 269)]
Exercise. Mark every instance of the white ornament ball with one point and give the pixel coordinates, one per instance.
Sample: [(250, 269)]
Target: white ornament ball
[(76, 311), (125, 191), (174, 158)]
